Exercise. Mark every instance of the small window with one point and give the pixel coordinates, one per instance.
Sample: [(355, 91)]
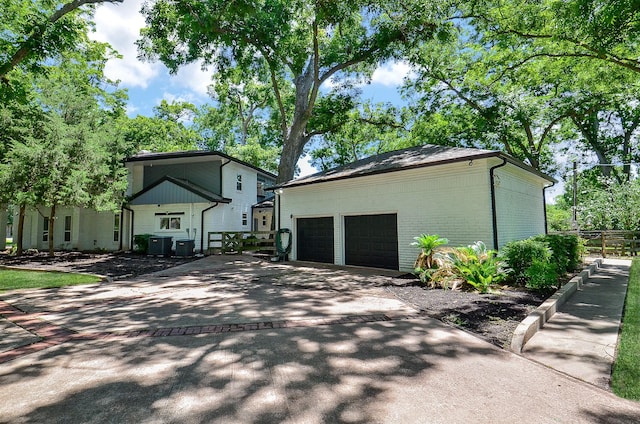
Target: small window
[(116, 227), (67, 228), (260, 188), (264, 219), (170, 223), (244, 218), (239, 183), (45, 229)]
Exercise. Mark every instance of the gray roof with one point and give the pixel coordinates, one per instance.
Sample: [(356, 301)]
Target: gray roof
[(146, 156), (414, 157)]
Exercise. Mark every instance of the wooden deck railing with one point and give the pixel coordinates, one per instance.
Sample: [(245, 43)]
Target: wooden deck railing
[(611, 242), (241, 241)]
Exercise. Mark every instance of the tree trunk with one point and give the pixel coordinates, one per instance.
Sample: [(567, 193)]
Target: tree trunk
[(52, 216), (20, 231)]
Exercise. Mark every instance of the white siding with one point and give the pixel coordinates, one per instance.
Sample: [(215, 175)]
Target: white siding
[(519, 204), (3, 227), (241, 200), (90, 230), (450, 200)]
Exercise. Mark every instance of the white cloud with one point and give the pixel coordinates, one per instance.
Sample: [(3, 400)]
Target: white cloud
[(194, 78), (304, 163), (392, 74), (119, 25)]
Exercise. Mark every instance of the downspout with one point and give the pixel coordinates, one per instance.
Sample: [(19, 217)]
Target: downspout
[(202, 225), (494, 216), (544, 207), (221, 182), (121, 226)]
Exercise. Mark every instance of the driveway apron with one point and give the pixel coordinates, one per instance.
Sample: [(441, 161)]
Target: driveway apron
[(238, 340)]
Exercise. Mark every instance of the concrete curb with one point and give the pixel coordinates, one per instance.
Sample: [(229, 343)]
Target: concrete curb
[(543, 313)]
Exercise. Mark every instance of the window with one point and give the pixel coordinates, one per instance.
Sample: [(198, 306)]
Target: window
[(239, 183), (67, 228), (116, 227), (244, 218), (260, 188), (264, 219), (45, 229), (170, 223)]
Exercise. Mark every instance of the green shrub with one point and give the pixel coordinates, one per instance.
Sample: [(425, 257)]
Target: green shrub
[(427, 243), (566, 251), (541, 275), (141, 243), (477, 265), (518, 256)]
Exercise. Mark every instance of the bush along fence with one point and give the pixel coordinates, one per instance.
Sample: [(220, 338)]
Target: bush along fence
[(610, 242)]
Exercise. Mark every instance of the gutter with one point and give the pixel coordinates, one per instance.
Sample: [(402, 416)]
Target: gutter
[(202, 225), (544, 207), (494, 216), (121, 226)]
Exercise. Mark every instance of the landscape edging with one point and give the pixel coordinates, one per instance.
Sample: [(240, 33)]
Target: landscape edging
[(543, 313)]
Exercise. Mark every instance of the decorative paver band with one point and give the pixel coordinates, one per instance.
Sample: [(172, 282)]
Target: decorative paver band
[(52, 335)]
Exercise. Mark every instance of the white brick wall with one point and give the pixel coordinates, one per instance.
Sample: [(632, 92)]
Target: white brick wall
[(519, 204), (450, 200)]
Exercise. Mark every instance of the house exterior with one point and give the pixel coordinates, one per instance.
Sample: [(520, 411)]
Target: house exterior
[(76, 228), (183, 195), (367, 213)]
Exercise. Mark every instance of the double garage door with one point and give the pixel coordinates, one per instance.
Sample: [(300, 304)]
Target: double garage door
[(369, 240)]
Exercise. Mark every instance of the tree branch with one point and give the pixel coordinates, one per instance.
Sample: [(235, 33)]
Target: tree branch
[(26, 47)]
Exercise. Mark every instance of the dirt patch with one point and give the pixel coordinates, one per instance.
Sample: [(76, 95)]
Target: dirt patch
[(117, 266)]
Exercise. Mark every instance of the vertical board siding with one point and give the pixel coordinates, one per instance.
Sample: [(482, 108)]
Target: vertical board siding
[(204, 174)]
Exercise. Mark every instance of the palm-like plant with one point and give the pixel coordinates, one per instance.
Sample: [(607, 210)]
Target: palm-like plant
[(477, 265), (427, 243)]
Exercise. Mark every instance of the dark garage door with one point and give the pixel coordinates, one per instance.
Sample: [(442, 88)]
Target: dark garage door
[(371, 240), (315, 239)]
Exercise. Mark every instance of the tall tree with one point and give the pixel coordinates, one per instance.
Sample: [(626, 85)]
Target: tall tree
[(304, 43), (34, 31)]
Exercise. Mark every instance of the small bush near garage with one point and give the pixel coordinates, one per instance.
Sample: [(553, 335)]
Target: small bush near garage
[(566, 250), (473, 266), (538, 262)]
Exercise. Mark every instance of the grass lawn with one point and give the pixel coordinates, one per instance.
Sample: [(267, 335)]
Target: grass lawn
[(11, 279), (625, 380)]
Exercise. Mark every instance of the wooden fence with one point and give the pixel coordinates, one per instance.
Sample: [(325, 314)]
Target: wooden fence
[(241, 241), (611, 242)]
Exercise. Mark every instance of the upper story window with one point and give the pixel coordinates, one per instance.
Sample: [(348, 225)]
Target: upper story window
[(116, 227), (45, 229), (67, 228), (245, 220), (260, 188), (239, 182)]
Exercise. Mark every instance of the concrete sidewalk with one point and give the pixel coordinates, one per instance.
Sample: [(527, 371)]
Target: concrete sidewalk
[(581, 338)]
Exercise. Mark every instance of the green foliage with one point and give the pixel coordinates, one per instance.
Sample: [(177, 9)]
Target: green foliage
[(519, 256), (427, 243), (477, 265), (141, 243), (541, 275), (293, 47), (605, 204), (566, 251), (558, 218), (625, 378)]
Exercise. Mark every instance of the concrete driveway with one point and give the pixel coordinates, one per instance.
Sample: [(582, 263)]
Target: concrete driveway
[(236, 340)]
